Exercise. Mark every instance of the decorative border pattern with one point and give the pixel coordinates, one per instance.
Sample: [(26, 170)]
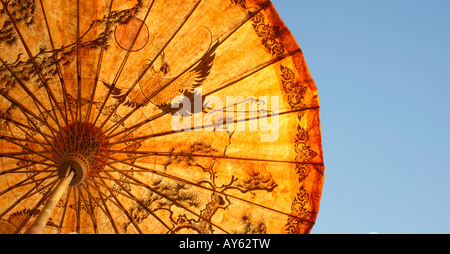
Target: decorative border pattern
[(296, 92), (265, 30), (242, 3), (269, 36)]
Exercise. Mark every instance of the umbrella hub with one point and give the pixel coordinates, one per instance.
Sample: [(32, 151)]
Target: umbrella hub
[(83, 148), (74, 162)]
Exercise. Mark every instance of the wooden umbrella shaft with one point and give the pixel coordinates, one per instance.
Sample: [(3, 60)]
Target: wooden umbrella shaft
[(43, 217)]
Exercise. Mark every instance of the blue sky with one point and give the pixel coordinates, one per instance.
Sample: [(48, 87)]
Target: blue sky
[(382, 69)]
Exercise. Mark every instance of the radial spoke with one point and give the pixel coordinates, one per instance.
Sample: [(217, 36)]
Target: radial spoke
[(139, 183), (153, 135), (78, 207), (99, 65), (35, 209), (7, 154), (34, 140), (144, 154), (36, 101), (58, 67), (23, 140), (27, 113), (124, 61), (31, 172), (18, 168), (102, 205), (148, 98), (12, 156), (69, 191), (23, 86), (117, 203), (29, 128), (27, 181), (134, 198), (28, 194), (89, 209), (102, 196), (221, 87), (50, 94), (142, 74), (169, 176), (30, 150), (78, 62)]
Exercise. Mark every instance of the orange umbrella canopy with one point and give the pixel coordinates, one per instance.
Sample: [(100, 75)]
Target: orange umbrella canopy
[(186, 116)]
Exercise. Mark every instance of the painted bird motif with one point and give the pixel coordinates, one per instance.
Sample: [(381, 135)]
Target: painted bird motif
[(161, 91)]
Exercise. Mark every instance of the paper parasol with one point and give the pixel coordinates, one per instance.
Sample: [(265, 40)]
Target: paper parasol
[(155, 117)]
